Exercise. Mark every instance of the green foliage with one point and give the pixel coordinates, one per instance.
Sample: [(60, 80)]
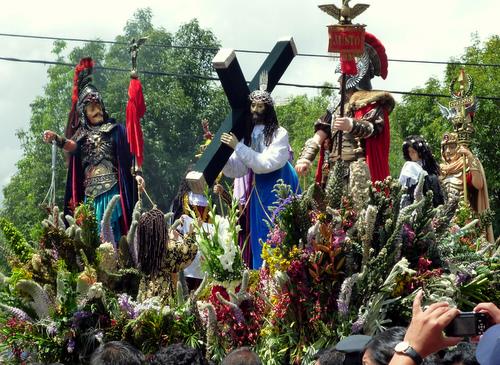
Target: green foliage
[(15, 240), (171, 126), (298, 117), (420, 115)]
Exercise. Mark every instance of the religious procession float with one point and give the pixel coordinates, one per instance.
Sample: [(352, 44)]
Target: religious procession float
[(282, 268)]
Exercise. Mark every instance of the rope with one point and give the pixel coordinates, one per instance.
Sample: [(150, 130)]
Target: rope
[(50, 197)]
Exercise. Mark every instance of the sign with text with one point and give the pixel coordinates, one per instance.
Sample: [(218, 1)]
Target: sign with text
[(346, 39)]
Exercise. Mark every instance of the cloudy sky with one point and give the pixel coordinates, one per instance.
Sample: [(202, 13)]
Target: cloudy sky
[(420, 30)]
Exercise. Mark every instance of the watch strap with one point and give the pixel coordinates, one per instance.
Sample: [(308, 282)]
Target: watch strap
[(414, 355)]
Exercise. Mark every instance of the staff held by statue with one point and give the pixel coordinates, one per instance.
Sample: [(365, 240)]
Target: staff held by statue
[(347, 40)]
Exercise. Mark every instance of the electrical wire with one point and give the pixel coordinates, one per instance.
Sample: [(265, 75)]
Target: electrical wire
[(163, 45), (212, 78)]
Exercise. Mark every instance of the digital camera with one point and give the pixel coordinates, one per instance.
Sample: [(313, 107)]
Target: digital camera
[(468, 324)]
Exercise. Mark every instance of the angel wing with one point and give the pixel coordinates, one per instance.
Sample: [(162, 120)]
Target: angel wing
[(445, 112), (358, 9), (473, 108), (331, 9)]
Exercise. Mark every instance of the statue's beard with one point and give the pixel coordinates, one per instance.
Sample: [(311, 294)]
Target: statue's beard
[(258, 118)]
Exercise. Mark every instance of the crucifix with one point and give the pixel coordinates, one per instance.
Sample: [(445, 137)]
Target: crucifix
[(237, 91)]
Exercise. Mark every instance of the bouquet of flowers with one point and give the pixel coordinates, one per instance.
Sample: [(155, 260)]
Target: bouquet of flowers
[(218, 242)]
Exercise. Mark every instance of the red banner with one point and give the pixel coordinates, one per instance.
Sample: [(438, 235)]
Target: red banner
[(346, 39)]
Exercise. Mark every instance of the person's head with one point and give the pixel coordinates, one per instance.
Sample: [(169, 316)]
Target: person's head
[(94, 113), (241, 356), (117, 353), (462, 354), (262, 112), (373, 62), (449, 147), (352, 347), (416, 148), (178, 354), (380, 349), (329, 356)]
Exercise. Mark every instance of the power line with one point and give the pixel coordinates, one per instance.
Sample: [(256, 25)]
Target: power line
[(163, 45), (212, 78)]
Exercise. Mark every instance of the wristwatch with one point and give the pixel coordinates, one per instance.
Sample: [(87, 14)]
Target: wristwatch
[(404, 348)]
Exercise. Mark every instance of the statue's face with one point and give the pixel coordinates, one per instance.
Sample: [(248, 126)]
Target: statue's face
[(449, 151), (257, 109), (414, 156), (94, 113)]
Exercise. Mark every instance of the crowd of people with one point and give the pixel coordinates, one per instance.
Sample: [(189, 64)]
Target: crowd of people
[(423, 342)]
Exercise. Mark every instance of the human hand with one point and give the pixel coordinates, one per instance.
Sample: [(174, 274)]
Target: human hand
[(141, 184), (425, 333), (49, 136), (462, 150), (491, 309), (343, 123), (302, 168), (229, 139)]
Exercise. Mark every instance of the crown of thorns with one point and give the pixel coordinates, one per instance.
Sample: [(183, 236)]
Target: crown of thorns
[(261, 96)]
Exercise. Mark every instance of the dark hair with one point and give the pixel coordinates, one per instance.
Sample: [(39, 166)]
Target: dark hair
[(117, 353), (178, 354), (463, 353), (242, 356), (419, 144), (330, 356), (271, 125), (382, 345)]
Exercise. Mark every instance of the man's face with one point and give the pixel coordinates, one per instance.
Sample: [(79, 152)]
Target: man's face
[(94, 113), (257, 109), (450, 152)]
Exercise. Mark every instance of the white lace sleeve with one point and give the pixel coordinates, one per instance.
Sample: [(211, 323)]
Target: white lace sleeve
[(272, 158)]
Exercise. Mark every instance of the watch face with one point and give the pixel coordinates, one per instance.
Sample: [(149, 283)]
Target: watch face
[(402, 346)]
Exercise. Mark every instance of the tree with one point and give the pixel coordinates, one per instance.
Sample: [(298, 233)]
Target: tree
[(298, 117), (419, 115), (175, 107)]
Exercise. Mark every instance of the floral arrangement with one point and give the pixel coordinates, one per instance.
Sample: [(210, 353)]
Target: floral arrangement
[(218, 242), (341, 261)]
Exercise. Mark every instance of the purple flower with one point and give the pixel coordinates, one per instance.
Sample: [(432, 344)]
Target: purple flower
[(338, 238), (462, 277), (276, 236), (358, 325), (282, 203), (78, 317), (408, 234), (126, 305), (71, 345), (52, 329), (342, 306)]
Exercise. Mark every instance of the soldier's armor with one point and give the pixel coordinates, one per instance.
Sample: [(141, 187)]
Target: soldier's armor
[(353, 144), (98, 158), (453, 184)]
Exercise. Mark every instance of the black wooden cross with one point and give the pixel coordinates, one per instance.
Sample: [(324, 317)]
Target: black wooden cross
[(237, 91)]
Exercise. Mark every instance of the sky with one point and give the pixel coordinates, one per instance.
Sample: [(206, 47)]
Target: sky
[(421, 30)]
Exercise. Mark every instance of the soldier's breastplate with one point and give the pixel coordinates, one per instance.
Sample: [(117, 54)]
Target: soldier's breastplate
[(99, 163), (453, 184)]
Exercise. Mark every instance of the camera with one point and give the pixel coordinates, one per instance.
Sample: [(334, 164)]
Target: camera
[(468, 324)]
